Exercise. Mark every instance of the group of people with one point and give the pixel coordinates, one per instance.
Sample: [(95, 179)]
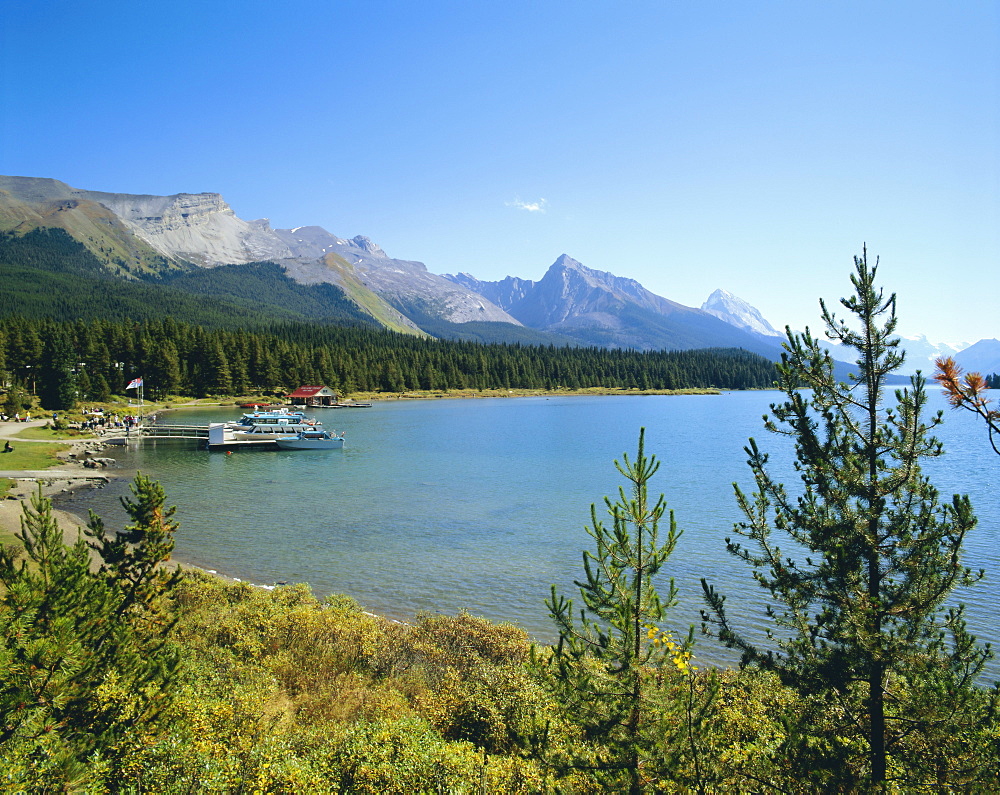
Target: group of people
[(16, 418), (114, 421)]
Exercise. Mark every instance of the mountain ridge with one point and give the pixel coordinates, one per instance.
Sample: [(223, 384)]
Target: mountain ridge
[(599, 308), (983, 357), (154, 235), (151, 237)]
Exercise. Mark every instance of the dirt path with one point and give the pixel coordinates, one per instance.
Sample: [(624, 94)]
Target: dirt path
[(10, 430)]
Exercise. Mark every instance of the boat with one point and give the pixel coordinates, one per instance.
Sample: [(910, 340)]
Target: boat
[(271, 416), (265, 431), (311, 440)]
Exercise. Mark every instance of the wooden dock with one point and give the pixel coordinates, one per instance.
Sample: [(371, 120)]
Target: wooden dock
[(157, 433), (213, 437)]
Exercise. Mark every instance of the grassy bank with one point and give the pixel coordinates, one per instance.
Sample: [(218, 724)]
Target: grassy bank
[(32, 455)]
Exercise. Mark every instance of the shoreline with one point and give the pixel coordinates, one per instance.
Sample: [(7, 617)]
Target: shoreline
[(72, 476), (65, 479), (68, 476), (454, 394)]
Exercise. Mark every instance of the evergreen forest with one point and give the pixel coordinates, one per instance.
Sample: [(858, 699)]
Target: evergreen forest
[(66, 361)]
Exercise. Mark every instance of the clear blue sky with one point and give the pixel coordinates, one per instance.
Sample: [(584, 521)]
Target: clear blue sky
[(752, 146)]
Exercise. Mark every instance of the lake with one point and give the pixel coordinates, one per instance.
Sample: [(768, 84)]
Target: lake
[(443, 505)]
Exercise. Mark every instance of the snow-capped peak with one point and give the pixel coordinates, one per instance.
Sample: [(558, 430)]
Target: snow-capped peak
[(737, 312)]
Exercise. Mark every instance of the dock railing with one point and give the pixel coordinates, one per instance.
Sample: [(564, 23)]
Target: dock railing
[(141, 433)]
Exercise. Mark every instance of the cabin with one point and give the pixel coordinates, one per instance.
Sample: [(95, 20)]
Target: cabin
[(313, 396)]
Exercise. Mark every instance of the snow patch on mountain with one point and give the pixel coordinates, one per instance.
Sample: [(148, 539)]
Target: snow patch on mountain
[(921, 353), (737, 312)]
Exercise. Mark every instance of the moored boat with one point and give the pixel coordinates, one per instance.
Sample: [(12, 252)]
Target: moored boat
[(311, 440), (265, 431), (259, 426), (271, 417)]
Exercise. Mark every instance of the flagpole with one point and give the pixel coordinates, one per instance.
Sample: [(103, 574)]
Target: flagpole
[(137, 385)]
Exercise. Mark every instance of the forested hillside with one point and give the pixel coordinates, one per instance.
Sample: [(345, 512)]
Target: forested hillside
[(96, 358), (46, 273)]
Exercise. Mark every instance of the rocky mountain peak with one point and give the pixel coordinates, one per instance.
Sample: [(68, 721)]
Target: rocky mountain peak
[(312, 242), (737, 312), (566, 261), (198, 227), (366, 245), (506, 294)]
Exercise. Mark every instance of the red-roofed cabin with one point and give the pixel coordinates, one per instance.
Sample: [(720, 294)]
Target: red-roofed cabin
[(313, 396)]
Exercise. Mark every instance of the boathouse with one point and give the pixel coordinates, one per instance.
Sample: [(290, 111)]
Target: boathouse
[(313, 396)]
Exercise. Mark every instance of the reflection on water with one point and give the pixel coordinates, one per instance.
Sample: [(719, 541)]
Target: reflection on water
[(482, 504)]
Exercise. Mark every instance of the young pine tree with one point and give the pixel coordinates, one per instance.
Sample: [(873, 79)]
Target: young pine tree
[(83, 656), (872, 557), (604, 668), (132, 558)]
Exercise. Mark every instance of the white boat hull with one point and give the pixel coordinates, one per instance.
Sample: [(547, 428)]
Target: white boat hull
[(298, 443)]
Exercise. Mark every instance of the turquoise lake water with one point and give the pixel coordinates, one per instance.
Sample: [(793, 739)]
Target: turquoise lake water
[(443, 505)]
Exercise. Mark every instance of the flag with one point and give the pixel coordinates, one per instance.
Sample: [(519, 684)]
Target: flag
[(135, 383)]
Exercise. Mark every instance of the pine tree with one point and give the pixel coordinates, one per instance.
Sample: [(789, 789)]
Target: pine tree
[(15, 400), (57, 383), (860, 590), (83, 653), (132, 558), (968, 391), (84, 388), (603, 669)]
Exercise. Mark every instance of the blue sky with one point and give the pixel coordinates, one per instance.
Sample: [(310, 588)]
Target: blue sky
[(748, 146)]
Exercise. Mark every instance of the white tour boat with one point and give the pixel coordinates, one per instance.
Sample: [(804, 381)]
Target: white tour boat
[(315, 439), (272, 430)]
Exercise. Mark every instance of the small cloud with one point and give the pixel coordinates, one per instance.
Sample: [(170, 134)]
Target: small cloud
[(531, 207)]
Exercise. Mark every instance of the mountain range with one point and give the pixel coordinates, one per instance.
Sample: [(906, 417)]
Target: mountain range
[(170, 239)]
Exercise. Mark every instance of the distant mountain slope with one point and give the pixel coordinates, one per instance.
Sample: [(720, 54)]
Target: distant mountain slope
[(405, 284), (266, 287), (921, 353), (46, 273), (200, 228), (982, 357), (28, 203), (506, 293), (598, 308), (176, 240)]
